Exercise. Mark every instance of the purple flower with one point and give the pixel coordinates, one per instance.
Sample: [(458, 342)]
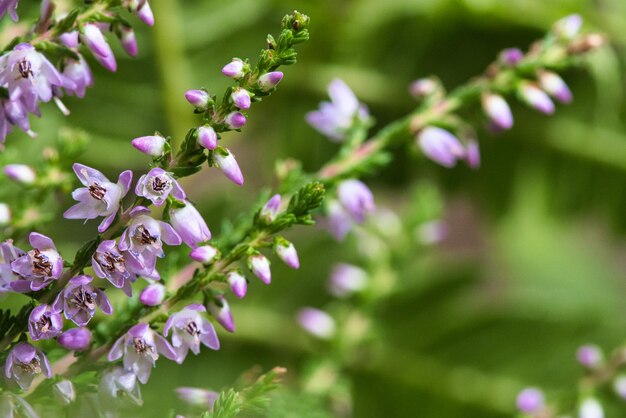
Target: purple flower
[(441, 146), (76, 339), (317, 322), (554, 85), (356, 198), (204, 254), (70, 39), (20, 173), (260, 266), (37, 268), (153, 145), (334, 118), (24, 363), (591, 408), (141, 347), (157, 186), (569, 26), (346, 279), (14, 112), (338, 221), (207, 137), (28, 75), (218, 307), (77, 76), (432, 232), (510, 57), (473, 154), (9, 6), (9, 255), (99, 197), (189, 330), (79, 299), (225, 161), (498, 111), (141, 8), (189, 224), (269, 212), (530, 400), (145, 235), (423, 87), (536, 98), (241, 98), (153, 294), (238, 284), (197, 98), (44, 323), (287, 252), (92, 37), (234, 69), (119, 383), (196, 396), (590, 356), (269, 81), (235, 120), (110, 264)]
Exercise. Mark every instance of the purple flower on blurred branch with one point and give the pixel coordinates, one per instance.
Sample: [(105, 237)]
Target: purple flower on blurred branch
[(530, 400), (24, 363), (317, 322), (9, 6), (44, 323), (189, 224), (536, 98), (260, 266), (198, 397), (441, 146), (39, 266), (189, 330), (590, 356), (554, 85), (157, 186), (109, 263), (153, 294), (76, 339), (99, 197), (334, 118), (238, 284), (141, 347), (268, 81), (218, 307), (225, 161), (153, 145), (498, 111), (9, 254), (79, 299), (234, 69), (356, 198), (92, 37), (346, 279)]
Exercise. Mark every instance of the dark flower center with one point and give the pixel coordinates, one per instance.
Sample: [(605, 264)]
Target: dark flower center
[(192, 328), (96, 191), (41, 264), (25, 69), (142, 348), (83, 299), (110, 261), (33, 367), (44, 324), (143, 236), (159, 184)]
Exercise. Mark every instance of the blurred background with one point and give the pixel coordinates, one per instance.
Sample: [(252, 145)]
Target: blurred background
[(533, 263)]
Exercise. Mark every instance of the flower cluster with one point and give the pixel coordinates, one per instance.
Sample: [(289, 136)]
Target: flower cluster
[(30, 78)]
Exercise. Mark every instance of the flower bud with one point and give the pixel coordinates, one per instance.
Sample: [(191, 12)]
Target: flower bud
[(226, 162), (220, 310), (440, 146), (77, 339), (260, 266), (241, 98), (554, 85), (590, 408), (143, 11), (20, 173), (153, 145), (533, 96), (207, 137), (69, 39), (238, 284), (153, 294), (287, 252), (129, 41), (5, 214), (568, 27), (189, 224), (510, 57), (356, 198), (269, 212), (93, 38), (234, 69), (235, 120), (423, 87), (346, 279), (498, 111), (204, 254), (589, 356), (197, 98), (64, 392), (317, 322), (530, 400), (268, 81)]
